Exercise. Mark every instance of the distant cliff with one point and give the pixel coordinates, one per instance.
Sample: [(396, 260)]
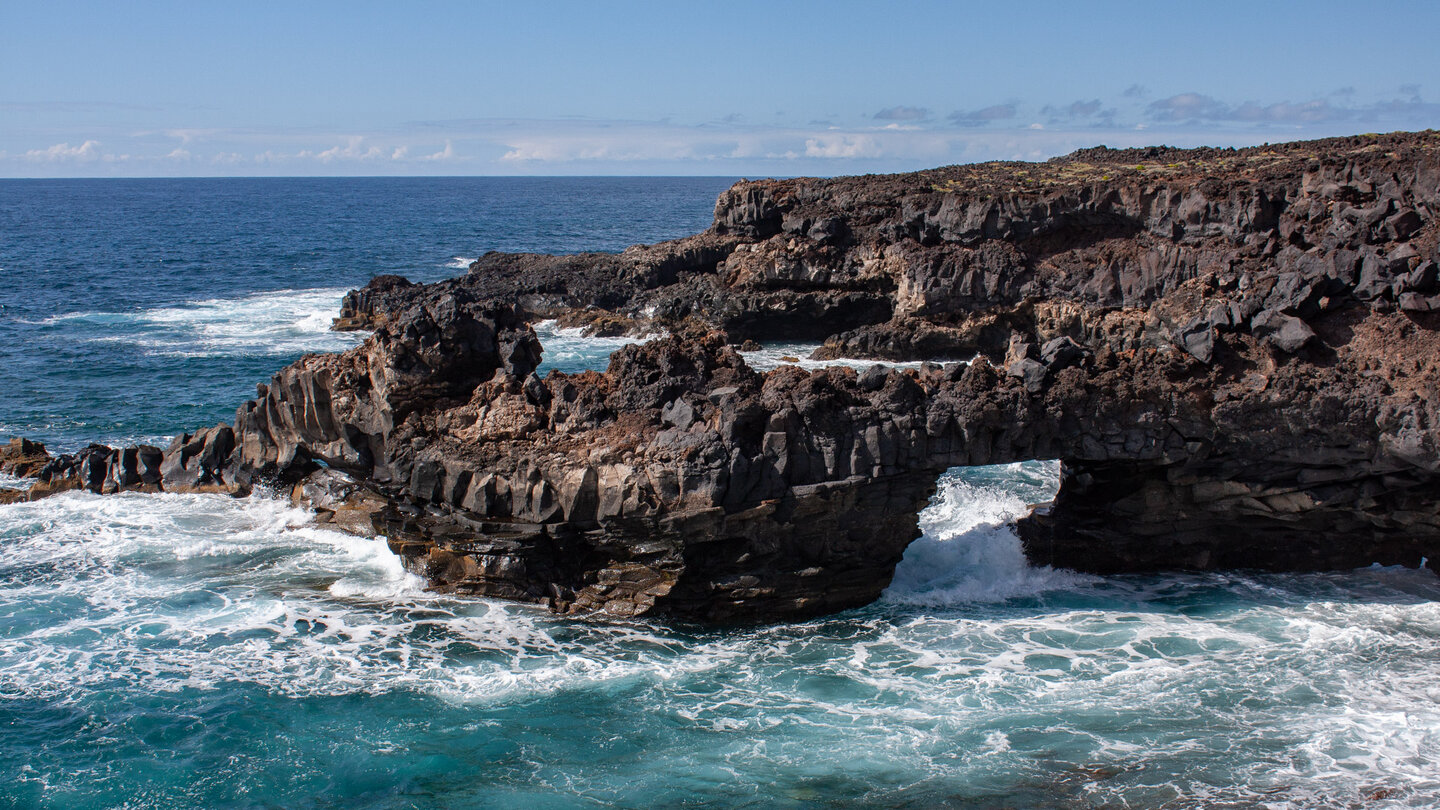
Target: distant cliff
[(1233, 353)]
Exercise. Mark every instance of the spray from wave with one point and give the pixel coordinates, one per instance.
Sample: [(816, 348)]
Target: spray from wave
[(969, 551), (8, 481)]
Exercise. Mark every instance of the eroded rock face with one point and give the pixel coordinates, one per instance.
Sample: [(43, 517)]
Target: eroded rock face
[(341, 410), (681, 481), (1233, 352)]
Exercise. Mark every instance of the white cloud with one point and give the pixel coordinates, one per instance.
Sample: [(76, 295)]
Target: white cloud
[(88, 151), (708, 148), (448, 153), (624, 143), (842, 146), (589, 146), (354, 149)]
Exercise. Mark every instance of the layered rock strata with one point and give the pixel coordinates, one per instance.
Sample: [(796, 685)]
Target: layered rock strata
[(1233, 353)]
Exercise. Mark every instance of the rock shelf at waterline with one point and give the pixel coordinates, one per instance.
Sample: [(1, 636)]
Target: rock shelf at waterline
[(1232, 353)]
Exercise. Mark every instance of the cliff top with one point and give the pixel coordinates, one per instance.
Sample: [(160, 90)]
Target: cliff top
[(1100, 164)]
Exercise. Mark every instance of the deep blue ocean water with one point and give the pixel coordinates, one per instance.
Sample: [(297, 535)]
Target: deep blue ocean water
[(198, 651), (131, 307)]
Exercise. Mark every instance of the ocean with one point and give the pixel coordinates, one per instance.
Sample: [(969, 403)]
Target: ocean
[(178, 651)]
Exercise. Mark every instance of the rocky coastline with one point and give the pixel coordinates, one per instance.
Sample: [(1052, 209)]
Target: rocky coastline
[(1232, 352)]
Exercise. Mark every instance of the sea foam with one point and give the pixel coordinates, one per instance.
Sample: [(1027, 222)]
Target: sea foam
[(1286, 691), (282, 322), (969, 550), (571, 350), (774, 355), (976, 674)]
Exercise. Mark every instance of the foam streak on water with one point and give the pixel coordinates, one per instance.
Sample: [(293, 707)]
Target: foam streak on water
[(284, 322), (136, 376), (773, 355), (571, 351), (975, 677)]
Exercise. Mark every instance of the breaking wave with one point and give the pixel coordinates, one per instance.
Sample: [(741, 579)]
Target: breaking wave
[(284, 322), (969, 551), (974, 673)]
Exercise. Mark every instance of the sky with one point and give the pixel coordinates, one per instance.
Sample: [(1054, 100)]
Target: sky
[(735, 88)]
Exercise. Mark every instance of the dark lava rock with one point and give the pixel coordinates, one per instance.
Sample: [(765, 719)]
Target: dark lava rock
[(1234, 352), (1285, 332)]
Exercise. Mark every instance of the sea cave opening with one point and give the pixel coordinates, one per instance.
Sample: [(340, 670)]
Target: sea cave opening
[(969, 550)]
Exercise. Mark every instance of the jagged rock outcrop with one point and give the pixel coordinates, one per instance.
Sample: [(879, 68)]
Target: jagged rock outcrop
[(1233, 352)]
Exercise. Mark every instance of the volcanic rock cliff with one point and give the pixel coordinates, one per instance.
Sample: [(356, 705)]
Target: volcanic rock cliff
[(1233, 353)]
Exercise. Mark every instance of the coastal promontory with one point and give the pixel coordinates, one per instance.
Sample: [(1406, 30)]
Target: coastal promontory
[(1232, 353)]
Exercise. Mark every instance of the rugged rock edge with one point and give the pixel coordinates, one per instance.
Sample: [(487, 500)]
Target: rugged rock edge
[(1233, 353)]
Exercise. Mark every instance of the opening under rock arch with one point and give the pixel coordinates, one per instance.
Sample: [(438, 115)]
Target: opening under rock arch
[(969, 551)]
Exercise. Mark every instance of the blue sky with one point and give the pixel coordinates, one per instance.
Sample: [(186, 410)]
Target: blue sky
[(714, 88)]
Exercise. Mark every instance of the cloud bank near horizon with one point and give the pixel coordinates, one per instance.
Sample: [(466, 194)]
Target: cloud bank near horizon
[(902, 136)]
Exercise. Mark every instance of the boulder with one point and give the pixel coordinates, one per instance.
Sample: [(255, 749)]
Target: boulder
[(1287, 333)]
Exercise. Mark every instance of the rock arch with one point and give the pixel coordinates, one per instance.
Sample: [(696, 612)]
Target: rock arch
[(682, 481), (1233, 352)]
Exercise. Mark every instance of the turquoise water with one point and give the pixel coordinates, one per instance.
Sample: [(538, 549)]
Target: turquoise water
[(198, 651)]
